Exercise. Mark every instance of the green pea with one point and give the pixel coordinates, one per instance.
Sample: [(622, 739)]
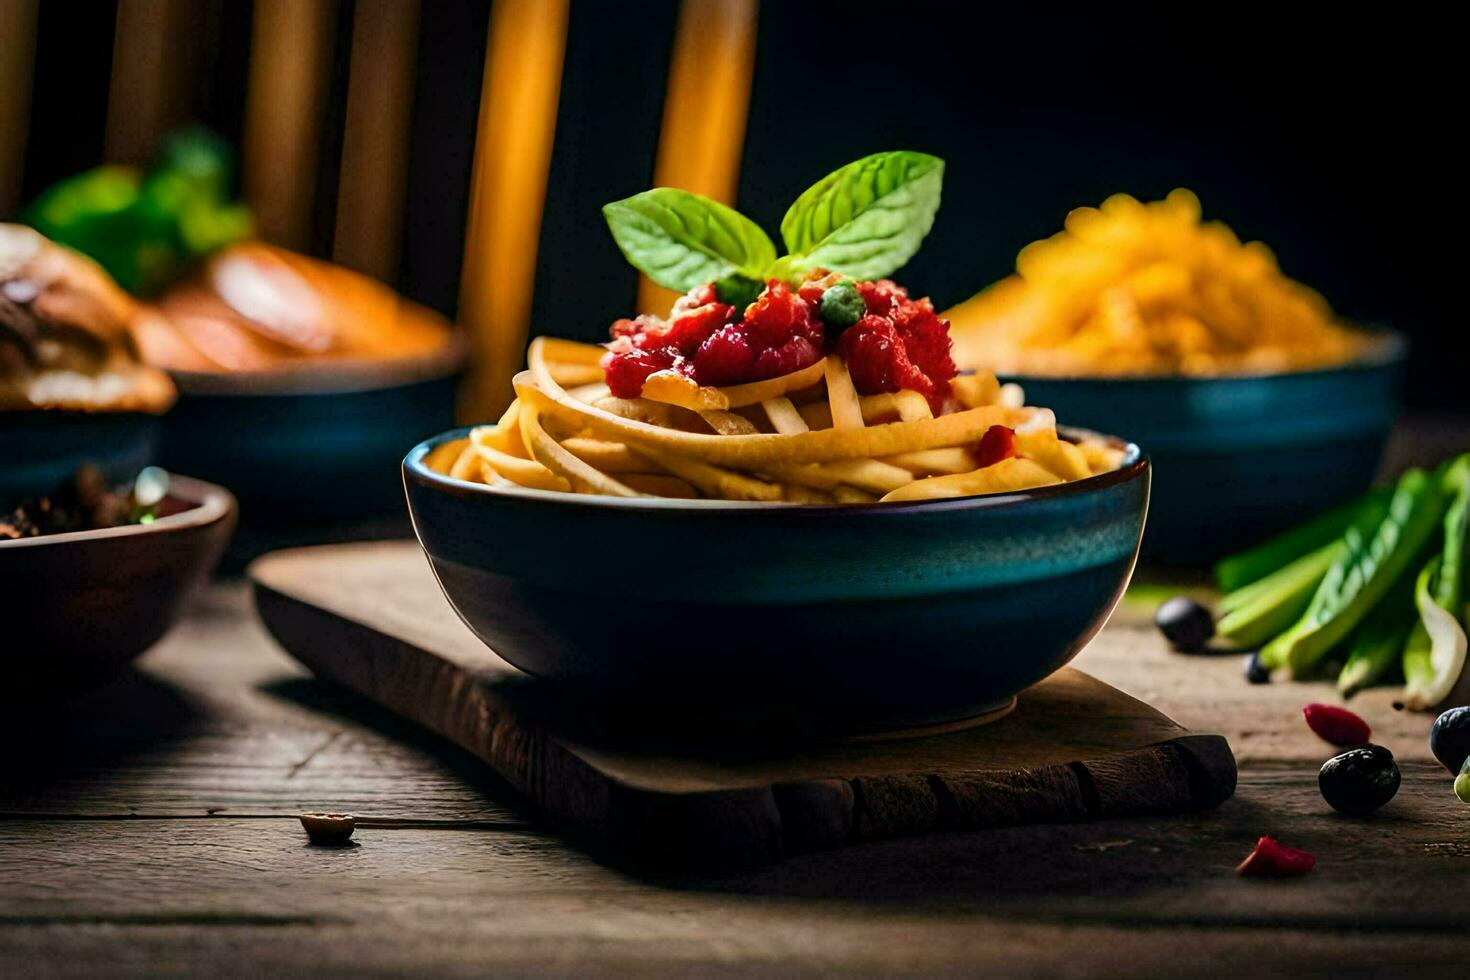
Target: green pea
[(842, 305)]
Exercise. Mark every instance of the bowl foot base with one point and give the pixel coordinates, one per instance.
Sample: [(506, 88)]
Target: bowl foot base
[(923, 729)]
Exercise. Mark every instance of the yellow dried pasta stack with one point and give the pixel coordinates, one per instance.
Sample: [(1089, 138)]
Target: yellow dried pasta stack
[(1132, 288)]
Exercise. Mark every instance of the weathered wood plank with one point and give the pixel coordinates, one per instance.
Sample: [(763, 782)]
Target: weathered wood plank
[(1404, 868), (218, 721), (744, 943), (1263, 723), (1124, 896), (694, 785)]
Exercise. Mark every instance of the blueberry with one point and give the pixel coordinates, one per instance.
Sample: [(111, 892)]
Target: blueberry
[(1359, 780), (842, 305), (1449, 739), (1256, 670), (1186, 624)]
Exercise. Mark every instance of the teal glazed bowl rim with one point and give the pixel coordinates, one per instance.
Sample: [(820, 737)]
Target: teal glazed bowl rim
[(1389, 348), (1135, 463)]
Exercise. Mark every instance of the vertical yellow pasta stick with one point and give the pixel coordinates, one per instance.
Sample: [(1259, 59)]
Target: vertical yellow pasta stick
[(784, 417), (842, 397)]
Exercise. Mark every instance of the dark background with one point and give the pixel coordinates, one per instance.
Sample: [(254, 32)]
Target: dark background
[(1326, 134)]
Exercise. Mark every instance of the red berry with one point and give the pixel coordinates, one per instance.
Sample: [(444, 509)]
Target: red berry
[(690, 329), (725, 358), (998, 443), (626, 372), (926, 338), (1272, 859), (772, 319), (882, 295), (792, 356), (1337, 725), (637, 327), (879, 361), (874, 354), (811, 290)]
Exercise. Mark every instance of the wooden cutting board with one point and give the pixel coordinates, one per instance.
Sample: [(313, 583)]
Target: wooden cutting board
[(683, 786)]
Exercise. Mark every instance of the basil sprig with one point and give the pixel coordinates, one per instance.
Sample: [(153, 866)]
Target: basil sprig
[(863, 220), (680, 240), (866, 219)]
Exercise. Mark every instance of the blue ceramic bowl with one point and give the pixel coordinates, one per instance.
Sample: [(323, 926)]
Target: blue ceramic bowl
[(1238, 459), (868, 617), (41, 450), (310, 447)]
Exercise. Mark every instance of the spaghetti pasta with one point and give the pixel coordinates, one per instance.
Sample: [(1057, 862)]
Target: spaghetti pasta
[(673, 443)]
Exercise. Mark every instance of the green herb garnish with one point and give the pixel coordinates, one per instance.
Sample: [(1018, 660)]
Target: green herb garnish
[(863, 220), (146, 229)]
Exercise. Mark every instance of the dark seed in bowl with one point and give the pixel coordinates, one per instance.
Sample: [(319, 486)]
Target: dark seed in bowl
[(83, 503), (87, 502), (1186, 624)]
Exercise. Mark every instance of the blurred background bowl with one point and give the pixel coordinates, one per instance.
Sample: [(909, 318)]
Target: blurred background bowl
[(307, 449), (1237, 459), (77, 607), (39, 450), (863, 617)]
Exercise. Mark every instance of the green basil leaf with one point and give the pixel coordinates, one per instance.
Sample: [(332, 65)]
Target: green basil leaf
[(681, 240), (866, 219)]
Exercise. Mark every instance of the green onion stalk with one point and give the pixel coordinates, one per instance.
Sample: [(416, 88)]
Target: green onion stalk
[(1363, 574), (1434, 654)]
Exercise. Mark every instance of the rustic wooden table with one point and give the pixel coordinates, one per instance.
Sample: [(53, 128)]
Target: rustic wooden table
[(152, 829)]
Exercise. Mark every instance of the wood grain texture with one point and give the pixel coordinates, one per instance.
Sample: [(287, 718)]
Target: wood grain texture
[(155, 50), (513, 137), (1152, 897), (705, 108), (375, 141), (221, 724), (285, 97), (717, 789)]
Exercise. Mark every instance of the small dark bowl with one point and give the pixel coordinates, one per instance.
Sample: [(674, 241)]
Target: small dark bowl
[(77, 607), (42, 449), (867, 617), (314, 445), (1237, 459)]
